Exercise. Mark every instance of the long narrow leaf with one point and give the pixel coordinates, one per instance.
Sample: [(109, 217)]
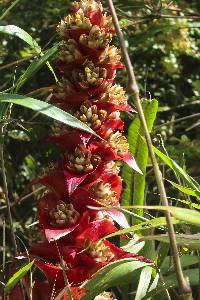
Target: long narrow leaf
[(26, 37), (22, 34), (6, 12), (183, 214), (135, 183), (184, 190), (145, 278), (17, 277), (45, 109), (115, 273), (35, 66), (157, 222), (177, 170), (150, 110), (190, 241)]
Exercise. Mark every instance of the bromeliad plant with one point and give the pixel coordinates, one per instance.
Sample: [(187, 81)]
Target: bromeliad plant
[(86, 179)]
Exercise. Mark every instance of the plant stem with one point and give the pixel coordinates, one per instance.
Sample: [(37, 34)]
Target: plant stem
[(6, 187), (184, 287)]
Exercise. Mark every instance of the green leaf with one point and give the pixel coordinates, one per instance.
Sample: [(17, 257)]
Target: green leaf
[(141, 154), (46, 109), (184, 190), (154, 283), (3, 108), (191, 274), (35, 66), (133, 246), (157, 222), (115, 273), (16, 277), (156, 29), (124, 22), (139, 149), (26, 37), (190, 241), (178, 170), (187, 215), (183, 214), (189, 203), (149, 33), (6, 12), (171, 282), (22, 34), (162, 252), (145, 278), (127, 172), (186, 261)]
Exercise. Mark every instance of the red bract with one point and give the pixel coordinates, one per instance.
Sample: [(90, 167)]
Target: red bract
[(59, 214), (105, 191), (76, 292), (40, 291), (58, 217), (81, 256), (54, 179), (80, 264)]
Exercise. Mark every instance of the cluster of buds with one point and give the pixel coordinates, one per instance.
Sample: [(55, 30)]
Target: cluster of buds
[(119, 143), (82, 160), (89, 76), (69, 51), (104, 193), (63, 215), (90, 115), (100, 252), (97, 38), (114, 94), (72, 214)]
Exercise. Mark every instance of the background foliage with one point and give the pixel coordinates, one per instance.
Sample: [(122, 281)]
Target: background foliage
[(164, 43)]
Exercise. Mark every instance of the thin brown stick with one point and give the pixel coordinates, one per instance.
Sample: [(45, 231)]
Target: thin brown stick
[(16, 62), (178, 120), (3, 170), (184, 287)]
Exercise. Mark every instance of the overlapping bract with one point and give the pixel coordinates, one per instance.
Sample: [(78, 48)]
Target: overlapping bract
[(87, 177)]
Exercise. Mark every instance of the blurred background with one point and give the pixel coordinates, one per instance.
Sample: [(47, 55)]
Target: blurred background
[(163, 38)]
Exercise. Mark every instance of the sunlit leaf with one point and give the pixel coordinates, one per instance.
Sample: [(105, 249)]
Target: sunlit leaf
[(135, 183), (45, 109), (193, 184), (26, 37), (16, 277), (22, 34), (157, 222), (115, 273), (183, 214), (145, 278), (186, 240), (133, 246), (184, 190)]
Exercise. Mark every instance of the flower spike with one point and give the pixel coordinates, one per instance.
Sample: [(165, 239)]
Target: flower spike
[(81, 203)]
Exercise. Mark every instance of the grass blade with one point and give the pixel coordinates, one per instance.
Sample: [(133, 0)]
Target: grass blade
[(35, 66), (6, 12), (193, 184), (22, 34), (157, 222), (17, 277)]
